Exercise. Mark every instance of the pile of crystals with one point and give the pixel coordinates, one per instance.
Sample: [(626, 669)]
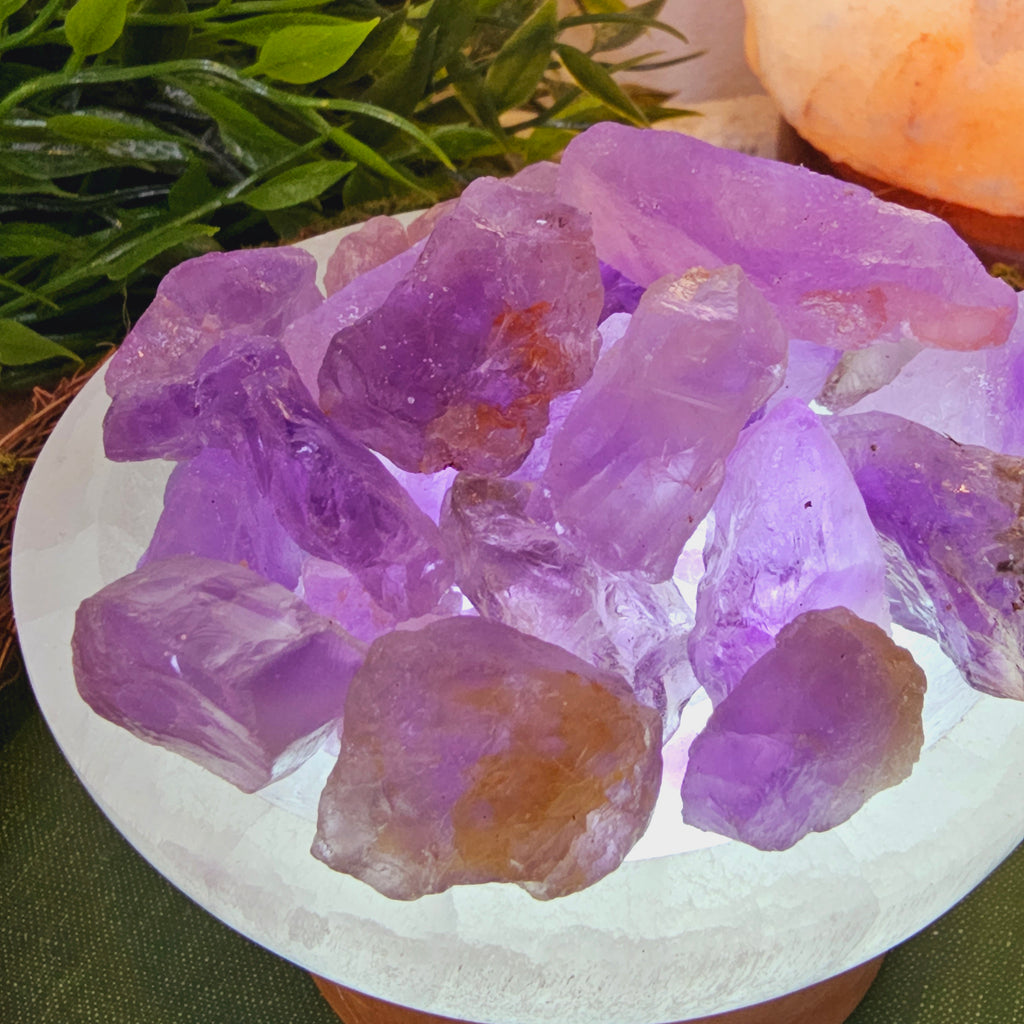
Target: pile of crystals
[(443, 509)]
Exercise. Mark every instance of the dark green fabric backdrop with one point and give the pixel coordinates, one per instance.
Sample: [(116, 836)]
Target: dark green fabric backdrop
[(90, 934)]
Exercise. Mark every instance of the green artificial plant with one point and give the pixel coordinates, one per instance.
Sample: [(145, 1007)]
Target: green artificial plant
[(137, 133)]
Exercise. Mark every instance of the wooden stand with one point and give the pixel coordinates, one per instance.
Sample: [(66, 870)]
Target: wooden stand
[(829, 1002)]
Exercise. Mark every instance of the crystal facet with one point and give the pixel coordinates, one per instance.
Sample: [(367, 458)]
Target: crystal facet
[(213, 509), (375, 242), (842, 267), (215, 663), (863, 371), (250, 292), (949, 516), (640, 456), (306, 338), (620, 294), (330, 493), (975, 397), (498, 316), (790, 534), (517, 569), (336, 593), (828, 717), (474, 753)]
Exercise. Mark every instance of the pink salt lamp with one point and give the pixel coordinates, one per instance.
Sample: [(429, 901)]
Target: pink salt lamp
[(921, 94)]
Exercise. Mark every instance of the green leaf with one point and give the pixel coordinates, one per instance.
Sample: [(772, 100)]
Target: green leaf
[(362, 189), (9, 7), (647, 62), (448, 23), (519, 65), (33, 240), (21, 346), (464, 142), (93, 26), (112, 125), (13, 75), (149, 44), (604, 6), (292, 221), (381, 44), (191, 190), (298, 184), (26, 292), (144, 248), (373, 161), (306, 53), (45, 157), (663, 113), (468, 84), (120, 136), (14, 184), (596, 80), (545, 143), (616, 29), (245, 136), (256, 31), (402, 88)]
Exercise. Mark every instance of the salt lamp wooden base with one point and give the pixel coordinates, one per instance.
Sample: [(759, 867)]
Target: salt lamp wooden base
[(828, 1002), (994, 239)]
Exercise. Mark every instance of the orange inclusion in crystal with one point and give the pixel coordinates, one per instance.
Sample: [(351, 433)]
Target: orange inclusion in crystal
[(536, 358), (524, 806), (465, 426)]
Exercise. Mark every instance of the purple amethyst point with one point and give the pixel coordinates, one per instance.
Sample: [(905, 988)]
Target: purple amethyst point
[(497, 317), (215, 663), (475, 753), (828, 717), (639, 459)]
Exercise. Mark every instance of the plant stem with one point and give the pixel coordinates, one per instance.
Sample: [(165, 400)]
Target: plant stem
[(103, 76), (252, 7), (45, 16), (94, 267)]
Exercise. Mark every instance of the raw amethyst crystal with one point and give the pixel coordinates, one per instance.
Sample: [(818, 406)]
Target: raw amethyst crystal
[(331, 494), (250, 292), (538, 177), (790, 534), (375, 242), (213, 509), (215, 663), (427, 490), (425, 223), (533, 466), (828, 717), (640, 456), (842, 267), (975, 397), (864, 371), (517, 569), (620, 294), (497, 317), (474, 753), (177, 420), (808, 368), (336, 593), (306, 339), (949, 516)]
